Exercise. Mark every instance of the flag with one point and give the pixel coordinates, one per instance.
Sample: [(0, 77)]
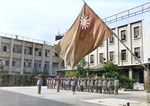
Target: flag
[(86, 34)]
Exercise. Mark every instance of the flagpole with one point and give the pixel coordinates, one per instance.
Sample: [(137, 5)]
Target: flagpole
[(132, 54)]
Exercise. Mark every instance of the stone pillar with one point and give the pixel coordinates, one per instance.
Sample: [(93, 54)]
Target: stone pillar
[(51, 61), (22, 58), (33, 55), (11, 55), (131, 73), (43, 60)]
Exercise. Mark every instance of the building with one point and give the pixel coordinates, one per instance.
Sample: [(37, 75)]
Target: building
[(132, 27), (20, 55)]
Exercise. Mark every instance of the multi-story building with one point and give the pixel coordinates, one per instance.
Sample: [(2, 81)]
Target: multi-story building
[(21, 55), (132, 27)]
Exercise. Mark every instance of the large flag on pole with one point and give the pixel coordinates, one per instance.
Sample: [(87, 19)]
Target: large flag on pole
[(86, 34)]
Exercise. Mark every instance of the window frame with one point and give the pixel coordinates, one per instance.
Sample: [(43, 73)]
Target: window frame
[(15, 47), (139, 53), (125, 35), (101, 58), (111, 56), (124, 54), (92, 59)]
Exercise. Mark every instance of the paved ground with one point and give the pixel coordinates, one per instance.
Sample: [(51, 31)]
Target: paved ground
[(27, 96)]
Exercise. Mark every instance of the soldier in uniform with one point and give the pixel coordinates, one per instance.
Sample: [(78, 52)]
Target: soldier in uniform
[(61, 84), (96, 85), (112, 87), (78, 84), (81, 84), (92, 84), (52, 83), (116, 85), (58, 83), (109, 86), (70, 83), (84, 84), (67, 84), (64, 83), (88, 84), (104, 85), (100, 84)]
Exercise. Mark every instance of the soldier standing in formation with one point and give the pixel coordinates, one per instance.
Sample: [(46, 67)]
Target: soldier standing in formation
[(116, 85), (84, 84), (92, 85), (88, 84), (112, 87), (104, 85), (109, 86), (97, 85), (100, 84), (58, 83)]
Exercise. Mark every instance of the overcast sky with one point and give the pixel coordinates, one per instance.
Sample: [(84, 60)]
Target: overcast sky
[(41, 19)]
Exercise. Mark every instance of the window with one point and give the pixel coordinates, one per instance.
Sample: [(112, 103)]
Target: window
[(46, 65), (123, 54), (27, 62), (56, 54), (101, 57), (111, 39), (62, 63), (47, 52), (5, 47), (136, 32), (17, 48), (7, 63), (1, 62), (28, 50), (55, 64), (16, 62), (13, 63), (91, 59), (38, 52), (123, 35), (137, 52), (111, 56), (37, 64)]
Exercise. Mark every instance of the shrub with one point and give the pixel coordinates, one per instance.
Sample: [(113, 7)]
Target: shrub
[(125, 82)]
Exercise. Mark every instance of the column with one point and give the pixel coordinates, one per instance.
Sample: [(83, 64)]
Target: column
[(33, 54), (51, 61), (43, 60), (129, 38), (22, 58), (131, 73), (11, 55)]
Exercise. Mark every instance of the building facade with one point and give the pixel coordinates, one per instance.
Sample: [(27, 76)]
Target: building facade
[(132, 27), (21, 55)]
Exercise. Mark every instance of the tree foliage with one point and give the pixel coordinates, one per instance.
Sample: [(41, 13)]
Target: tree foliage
[(110, 70), (80, 71), (125, 82)]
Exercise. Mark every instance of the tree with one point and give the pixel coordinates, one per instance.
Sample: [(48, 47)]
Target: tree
[(111, 70), (80, 71)]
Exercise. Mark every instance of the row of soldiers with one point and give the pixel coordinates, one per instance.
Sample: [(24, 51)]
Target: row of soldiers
[(98, 85)]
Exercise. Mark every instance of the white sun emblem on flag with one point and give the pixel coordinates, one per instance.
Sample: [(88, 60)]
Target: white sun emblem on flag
[(84, 22)]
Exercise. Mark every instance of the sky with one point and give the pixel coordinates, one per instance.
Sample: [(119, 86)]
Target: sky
[(43, 19)]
